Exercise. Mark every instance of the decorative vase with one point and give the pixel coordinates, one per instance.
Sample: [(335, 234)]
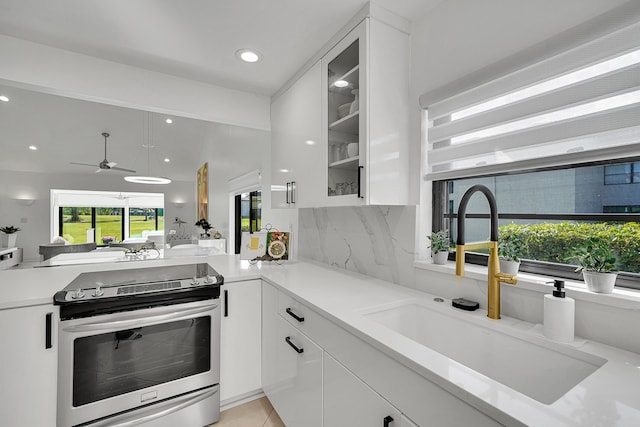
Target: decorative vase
[(508, 266), (355, 105), (440, 257), (9, 240), (601, 283)]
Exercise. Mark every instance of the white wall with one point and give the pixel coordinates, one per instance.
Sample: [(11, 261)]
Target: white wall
[(231, 151), (34, 219)]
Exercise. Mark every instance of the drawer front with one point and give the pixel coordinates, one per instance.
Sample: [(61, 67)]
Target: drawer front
[(293, 311), (297, 390)]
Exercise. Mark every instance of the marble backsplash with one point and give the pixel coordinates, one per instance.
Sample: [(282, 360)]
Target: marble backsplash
[(374, 240)]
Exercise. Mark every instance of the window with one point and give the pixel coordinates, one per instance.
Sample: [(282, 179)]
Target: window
[(104, 216), (551, 209), (627, 173), (142, 220), (553, 139), (248, 212)]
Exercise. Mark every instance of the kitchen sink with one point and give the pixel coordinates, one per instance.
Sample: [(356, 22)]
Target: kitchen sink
[(542, 370)]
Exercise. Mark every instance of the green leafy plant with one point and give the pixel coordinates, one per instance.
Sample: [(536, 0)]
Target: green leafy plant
[(511, 246), (554, 242), (9, 229), (595, 255), (439, 241)]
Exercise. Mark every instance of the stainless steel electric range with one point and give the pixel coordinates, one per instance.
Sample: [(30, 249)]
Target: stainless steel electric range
[(140, 347)]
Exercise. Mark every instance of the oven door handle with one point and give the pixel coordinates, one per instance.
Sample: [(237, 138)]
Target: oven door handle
[(137, 321)]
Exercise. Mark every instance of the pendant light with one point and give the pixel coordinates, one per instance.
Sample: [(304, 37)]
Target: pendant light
[(148, 179)]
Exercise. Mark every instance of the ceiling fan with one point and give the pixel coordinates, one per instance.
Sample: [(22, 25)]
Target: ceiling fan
[(105, 164)]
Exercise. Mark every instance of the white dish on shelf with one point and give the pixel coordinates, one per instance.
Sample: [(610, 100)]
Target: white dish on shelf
[(353, 149)]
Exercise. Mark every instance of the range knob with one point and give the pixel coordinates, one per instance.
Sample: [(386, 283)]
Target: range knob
[(78, 294), (98, 292), (194, 281), (209, 279)]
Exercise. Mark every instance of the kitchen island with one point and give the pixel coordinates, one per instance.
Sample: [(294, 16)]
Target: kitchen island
[(344, 300)]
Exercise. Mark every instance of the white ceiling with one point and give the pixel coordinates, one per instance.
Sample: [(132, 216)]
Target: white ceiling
[(195, 39)]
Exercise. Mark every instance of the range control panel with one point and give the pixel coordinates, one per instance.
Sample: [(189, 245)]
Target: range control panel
[(100, 290)]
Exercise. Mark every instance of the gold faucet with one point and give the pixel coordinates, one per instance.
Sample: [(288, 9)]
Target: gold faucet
[(494, 276)]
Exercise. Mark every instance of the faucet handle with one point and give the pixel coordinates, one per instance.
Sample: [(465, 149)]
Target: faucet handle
[(507, 278)]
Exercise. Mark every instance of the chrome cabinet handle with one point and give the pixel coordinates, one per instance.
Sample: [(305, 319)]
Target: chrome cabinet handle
[(295, 316), (293, 192), (360, 193), (298, 350), (287, 193)]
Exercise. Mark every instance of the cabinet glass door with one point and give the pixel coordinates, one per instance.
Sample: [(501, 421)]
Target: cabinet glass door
[(343, 74)]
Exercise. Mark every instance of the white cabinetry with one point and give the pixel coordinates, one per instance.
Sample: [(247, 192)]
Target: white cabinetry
[(365, 117), (240, 340), (350, 402), (292, 367), (29, 368), (296, 143)]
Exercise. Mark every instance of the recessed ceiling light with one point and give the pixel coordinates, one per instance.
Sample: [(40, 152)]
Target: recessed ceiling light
[(341, 83), (33, 148), (167, 160), (248, 55), (4, 98), (284, 170), (310, 142), (168, 121)]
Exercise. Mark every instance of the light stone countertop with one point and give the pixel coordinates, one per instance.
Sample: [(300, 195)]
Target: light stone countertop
[(608, 397)]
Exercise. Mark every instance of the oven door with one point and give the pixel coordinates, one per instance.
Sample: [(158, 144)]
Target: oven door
[(118, 362)]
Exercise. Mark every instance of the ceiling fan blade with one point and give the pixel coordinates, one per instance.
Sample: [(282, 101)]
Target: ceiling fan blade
[(123, 170), (111, 164), (99, 170), (82, 164)]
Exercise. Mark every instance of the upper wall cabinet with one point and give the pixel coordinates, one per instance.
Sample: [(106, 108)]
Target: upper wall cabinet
[(296, 132), (365, 117)]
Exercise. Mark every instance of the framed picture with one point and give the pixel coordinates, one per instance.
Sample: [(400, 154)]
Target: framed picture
[(203, 192), (265, 246)]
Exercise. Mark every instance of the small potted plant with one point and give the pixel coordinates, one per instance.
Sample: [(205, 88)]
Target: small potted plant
[(204, 224), (511, 248), (439, 246), (597, 261), (9, 236)]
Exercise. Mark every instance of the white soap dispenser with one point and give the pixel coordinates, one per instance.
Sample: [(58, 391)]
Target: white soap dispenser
[(559, 314)]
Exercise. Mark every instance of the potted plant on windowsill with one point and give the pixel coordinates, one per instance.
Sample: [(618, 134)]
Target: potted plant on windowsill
[(511, 248), (597, 262), (9, 236), (439, 246)]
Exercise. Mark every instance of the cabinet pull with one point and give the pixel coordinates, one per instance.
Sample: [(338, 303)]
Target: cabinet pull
[(293, 192), (387, 420), (295, 316), (293, 346), (48, 321), (360, 196), (226, 303), (287, 193)]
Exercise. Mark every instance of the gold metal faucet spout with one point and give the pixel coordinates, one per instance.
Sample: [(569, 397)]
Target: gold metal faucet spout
[(495, 278)]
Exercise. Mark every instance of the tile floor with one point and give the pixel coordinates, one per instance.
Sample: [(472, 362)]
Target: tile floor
[(257, 413)]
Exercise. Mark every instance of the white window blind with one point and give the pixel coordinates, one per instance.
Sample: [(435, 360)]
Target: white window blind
[(580, 105)]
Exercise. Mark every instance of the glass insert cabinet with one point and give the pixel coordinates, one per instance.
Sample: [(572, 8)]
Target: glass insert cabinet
[(345, 110)]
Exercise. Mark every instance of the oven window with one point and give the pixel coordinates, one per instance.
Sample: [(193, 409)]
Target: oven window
[(116, 363)]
